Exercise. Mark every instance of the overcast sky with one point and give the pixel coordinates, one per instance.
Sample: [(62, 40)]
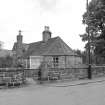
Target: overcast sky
[(64, 17)]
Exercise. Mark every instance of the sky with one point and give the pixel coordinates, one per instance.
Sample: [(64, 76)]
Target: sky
[(64, 17)]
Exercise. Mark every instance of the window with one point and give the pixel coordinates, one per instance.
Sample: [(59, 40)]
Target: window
[(55, 61)]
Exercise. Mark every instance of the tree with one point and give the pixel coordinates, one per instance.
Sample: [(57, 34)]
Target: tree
[(6, 62), (95, 19), (1, 45), (82, 54)]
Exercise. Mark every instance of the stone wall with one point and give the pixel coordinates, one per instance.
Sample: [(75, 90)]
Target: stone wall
[(68, 73), (98, 71), (72, 73)]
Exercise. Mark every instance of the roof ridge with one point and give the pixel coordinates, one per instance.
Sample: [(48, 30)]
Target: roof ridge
[(35, 42), (43, 41)]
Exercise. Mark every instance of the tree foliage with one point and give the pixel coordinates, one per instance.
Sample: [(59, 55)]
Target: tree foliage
[(95, 20), (82, 54), (6, 62)]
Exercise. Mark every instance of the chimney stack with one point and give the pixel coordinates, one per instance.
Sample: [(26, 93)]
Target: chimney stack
[(46, 34), (19, 38)]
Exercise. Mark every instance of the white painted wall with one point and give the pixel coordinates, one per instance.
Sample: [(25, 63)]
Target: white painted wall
[(35, 61)]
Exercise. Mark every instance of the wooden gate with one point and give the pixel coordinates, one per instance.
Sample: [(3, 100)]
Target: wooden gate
[(31, 73)]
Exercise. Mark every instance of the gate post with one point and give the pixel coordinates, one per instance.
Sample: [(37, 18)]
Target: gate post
[(89, 72)]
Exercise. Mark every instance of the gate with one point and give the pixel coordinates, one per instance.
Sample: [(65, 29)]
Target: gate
[(31, 73)]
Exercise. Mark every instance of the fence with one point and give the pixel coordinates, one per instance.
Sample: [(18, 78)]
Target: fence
[(16, 76)]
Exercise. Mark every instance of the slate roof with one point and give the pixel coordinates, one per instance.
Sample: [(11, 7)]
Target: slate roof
[(24, 46), (54, 46)]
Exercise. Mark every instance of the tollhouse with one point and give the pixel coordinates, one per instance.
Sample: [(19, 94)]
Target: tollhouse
[(50, 50)]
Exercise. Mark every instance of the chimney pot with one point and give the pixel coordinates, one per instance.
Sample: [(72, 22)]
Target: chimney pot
[(46, 34)]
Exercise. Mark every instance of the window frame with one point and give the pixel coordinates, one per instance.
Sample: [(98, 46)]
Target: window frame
[(55, 61)]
